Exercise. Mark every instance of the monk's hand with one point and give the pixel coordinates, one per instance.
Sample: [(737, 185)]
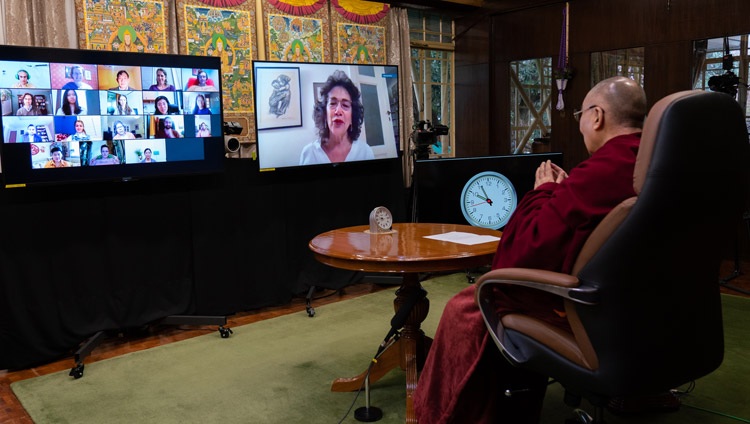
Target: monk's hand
[(548, 172), (560, 174)]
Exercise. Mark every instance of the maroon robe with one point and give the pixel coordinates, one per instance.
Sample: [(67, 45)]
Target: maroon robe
[(462, 382)]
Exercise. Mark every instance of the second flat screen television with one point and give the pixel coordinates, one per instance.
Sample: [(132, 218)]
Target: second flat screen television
[(323, 114), (66, 113)]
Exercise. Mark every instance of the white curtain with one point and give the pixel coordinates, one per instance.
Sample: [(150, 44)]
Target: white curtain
[(38, 23), (399, 53), (53, 23)]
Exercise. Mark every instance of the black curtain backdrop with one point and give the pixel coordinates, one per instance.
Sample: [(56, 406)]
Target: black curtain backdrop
[(79, 259)]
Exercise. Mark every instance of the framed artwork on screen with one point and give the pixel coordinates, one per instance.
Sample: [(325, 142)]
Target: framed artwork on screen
[(279, 89)]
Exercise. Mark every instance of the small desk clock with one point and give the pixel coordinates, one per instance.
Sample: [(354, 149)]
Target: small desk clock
[(381, 220), (488, 200)]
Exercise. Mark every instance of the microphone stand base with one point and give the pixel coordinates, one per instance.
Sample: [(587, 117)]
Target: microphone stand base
[(368, 414)]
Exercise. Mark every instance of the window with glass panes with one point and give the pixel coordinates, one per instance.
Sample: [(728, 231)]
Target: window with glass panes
[(709, 61), (431, 38), (530, 102)]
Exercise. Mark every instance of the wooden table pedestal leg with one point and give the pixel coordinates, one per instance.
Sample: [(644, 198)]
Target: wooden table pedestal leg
[(408, 352)]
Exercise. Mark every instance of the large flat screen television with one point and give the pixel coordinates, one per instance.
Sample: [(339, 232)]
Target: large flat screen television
[(85, 115), (318, 114)]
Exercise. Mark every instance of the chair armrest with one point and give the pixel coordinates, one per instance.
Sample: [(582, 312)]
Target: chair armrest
[(564, 285)]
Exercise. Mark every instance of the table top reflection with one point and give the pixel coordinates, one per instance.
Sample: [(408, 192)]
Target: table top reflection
[(405, 249)]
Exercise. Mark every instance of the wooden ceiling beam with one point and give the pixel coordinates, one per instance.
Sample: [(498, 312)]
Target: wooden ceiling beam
[(469, 6)]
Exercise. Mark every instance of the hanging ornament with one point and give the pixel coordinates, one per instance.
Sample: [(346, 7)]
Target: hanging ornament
[(563, 72), (359, 11), (298, 7)]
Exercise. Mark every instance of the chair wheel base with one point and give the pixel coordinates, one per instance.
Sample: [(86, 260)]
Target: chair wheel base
[(225, 332), (582, 417), (77, 371)]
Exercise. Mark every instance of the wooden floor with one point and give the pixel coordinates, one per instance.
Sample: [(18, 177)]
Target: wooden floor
[(11, 411)]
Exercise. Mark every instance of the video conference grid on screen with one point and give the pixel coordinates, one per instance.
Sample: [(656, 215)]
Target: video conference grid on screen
[(79, 115), (289, 128)]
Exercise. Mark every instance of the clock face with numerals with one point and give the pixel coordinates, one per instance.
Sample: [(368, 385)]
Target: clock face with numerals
[(381, 220), (488, 200)]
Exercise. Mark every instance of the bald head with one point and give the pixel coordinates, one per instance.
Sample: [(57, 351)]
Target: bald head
[(623, 99), (615, 106)]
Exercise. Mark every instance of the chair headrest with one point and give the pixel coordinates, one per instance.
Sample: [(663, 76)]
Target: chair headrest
[(689, 127), (650, 133)]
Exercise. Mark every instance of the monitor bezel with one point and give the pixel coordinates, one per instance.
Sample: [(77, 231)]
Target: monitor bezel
[(302, 170), (22, 175)]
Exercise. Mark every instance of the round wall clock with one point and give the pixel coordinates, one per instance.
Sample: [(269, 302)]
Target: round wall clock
[(488, 200), (381, 220)]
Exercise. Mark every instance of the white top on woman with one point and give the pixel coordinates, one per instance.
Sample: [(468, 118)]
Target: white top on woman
[(313, 153)]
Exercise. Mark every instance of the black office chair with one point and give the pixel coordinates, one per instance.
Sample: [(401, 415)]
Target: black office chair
[(643, 301)]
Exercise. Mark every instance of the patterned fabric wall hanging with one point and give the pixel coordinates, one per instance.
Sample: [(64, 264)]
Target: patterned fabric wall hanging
[(355, 41), (122, 25), (227, 33)]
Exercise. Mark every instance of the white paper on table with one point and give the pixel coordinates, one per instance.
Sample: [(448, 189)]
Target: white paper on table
[(463, 238)]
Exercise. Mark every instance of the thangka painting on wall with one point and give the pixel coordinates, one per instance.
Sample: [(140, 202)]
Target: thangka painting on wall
[(122, 25), (294, 39), (358, 40), (360, 43), (297, 30), (227, 34)]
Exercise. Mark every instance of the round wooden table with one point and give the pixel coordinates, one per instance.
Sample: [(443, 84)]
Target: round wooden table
[(405, 251)]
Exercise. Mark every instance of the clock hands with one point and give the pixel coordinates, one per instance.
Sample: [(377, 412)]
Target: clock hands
[(486, 197), (489, 188)]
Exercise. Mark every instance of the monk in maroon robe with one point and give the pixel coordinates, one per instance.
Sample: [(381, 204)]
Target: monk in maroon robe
[(465, 376)]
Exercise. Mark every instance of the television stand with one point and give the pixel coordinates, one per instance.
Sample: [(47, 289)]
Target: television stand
[(85, 350), (737, 271), (92, 342)]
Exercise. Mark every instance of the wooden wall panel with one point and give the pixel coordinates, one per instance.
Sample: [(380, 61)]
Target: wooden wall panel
[(668, 69), (472, 75), (665, 28)]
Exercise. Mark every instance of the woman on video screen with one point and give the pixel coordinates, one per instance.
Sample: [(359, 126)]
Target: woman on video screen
[(200, 106), (161, 82), (80, 134), (70, 104), (123, 108), (338, 117)]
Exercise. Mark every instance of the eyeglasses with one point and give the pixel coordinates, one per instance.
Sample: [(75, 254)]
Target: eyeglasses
[(577, 114), (344, 104)]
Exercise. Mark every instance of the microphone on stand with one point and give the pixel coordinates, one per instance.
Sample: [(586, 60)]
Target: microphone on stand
[(369, 413), (399, 319)]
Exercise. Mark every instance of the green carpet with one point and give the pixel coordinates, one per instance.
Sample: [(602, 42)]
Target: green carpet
[(280, 371)]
